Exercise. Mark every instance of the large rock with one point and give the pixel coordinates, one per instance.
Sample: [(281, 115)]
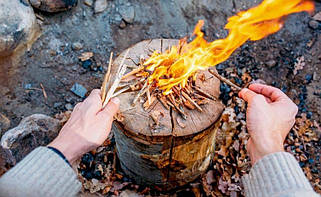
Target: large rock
[(33, 131), (17, 25)]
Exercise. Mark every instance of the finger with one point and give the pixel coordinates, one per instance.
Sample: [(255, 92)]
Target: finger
[(77, 106), (94, 100), (247, 94), (274, 94), (111, 108), (94, 95)]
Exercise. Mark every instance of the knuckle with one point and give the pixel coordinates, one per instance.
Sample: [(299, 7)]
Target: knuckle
[(78, 106), (95, 91), (258, 98), (294, 108)]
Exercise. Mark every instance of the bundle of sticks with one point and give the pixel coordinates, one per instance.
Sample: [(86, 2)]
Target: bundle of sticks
[(191, 96)]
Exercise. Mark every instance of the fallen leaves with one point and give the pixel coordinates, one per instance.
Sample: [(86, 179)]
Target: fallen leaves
[(300, 63)]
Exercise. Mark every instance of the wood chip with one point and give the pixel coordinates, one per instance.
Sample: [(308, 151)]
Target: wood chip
[(156, 115), (180, 122), (140, 93), (86, 56), (150, 103)]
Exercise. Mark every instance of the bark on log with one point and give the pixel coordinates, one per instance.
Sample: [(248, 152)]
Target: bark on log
[(169, 154)]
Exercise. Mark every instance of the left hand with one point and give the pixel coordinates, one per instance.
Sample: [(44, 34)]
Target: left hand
[(87, 128)]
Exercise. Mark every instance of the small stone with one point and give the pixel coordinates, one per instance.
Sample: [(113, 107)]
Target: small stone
[(309, 115), (74, 68), (69, 107), (127, 13), (87, 159), (79, 90), (271, 63), (88, 3), (100, 6), (122, 24), (313, 24), (57, 105), (33, 131), (86, 64), (77, 46), (27, 86), (308, 78), (69, 100)]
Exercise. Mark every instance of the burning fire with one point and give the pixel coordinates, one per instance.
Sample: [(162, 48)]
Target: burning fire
[(176, 65)]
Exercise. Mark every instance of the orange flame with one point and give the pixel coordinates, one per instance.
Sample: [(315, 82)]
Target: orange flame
[(176, 65)]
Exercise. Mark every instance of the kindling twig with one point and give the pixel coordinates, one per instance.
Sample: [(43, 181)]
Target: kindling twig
[(221, 78), (121, 70), (133, 72), (121, 91), (140, 93), (203, 93), (106, 79), (192, 101), (161, 99), (172, 100), (43, 91)]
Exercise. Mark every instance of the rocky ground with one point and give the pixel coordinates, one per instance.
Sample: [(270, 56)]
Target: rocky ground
[(50, 79)]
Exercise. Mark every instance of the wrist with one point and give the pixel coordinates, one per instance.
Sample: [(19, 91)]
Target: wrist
[(258, 149), (257, 154), (69, 147)]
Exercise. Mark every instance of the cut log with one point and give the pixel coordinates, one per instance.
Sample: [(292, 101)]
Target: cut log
[(173, 151)]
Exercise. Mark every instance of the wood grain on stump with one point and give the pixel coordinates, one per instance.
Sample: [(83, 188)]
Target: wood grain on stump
[(176, 151)]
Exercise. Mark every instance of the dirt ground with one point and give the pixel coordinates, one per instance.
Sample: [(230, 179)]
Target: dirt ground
[(53, 61)]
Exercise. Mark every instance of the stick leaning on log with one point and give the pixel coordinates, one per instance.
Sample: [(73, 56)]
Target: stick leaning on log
[(107, 79)]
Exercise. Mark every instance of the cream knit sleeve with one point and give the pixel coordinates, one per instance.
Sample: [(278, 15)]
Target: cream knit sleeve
[(277, 174), (41, 173)]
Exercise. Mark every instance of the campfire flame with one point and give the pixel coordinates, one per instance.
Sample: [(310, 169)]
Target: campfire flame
[(176, 65)]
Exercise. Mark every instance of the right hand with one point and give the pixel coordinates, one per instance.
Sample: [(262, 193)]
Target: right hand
[(269, 117)]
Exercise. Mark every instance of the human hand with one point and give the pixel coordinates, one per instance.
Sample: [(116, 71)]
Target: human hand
[(87, 128), (270, 116)]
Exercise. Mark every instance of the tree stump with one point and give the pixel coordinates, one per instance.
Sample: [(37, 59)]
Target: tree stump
[(177, 151)]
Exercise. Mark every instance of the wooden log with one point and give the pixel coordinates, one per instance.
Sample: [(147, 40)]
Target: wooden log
[(174, 151)]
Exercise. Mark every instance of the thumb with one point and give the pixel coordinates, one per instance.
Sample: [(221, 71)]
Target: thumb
[(247, 94), (111, 108)]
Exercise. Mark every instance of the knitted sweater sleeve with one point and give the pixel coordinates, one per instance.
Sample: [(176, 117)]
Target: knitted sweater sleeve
[(41, 173), (277, 174)]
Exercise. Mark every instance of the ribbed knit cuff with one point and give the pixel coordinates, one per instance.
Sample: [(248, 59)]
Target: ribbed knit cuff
[(276, 174), (41, 173)]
